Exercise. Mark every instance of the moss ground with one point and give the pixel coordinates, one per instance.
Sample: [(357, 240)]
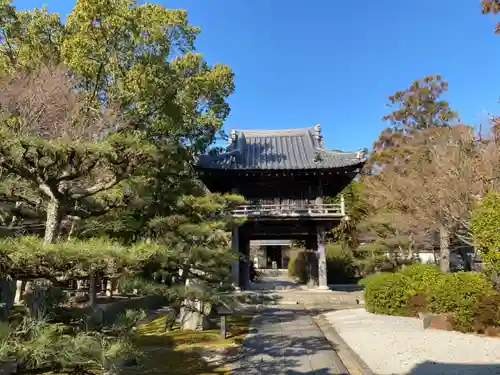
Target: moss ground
[(177, 352)]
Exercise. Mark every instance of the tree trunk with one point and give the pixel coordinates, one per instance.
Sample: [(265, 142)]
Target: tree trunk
[(7, 292), (109, 287), (410, 251), (444, 247), (92, 290), (116, 286), (53, 221), (19, 292)]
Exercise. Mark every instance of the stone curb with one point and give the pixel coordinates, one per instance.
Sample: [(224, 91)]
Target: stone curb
[(348, 356), (339, 363)]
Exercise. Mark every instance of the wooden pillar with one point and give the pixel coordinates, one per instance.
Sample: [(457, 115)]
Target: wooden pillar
[(235, 268), (245, 264), (319, 190), (342, 205), (322, 273), (312, 261)]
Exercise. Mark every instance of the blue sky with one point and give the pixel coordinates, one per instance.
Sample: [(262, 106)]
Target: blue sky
[(299, 63)]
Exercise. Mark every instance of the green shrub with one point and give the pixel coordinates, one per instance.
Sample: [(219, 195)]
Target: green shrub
[(291, 265), (395, 293), (299, 265), (457, 294), (126, 321), (387, 293), (38, 344), (340, 265), (129, 285), (468, 298), (42, 298), (487, 312), (421, 277), (485, 228)]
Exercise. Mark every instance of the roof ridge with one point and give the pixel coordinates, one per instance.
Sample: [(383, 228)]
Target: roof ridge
[(265, 132), (360, 154)]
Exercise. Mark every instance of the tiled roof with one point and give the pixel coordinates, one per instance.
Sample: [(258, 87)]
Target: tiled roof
[(279, 149)]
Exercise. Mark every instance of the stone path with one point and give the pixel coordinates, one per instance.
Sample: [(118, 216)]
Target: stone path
[(286, 340)]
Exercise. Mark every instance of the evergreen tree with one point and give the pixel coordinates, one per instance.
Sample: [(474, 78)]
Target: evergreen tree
[(127, 106)]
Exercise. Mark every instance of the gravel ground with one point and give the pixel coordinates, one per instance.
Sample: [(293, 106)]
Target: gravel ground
[(397, 345)]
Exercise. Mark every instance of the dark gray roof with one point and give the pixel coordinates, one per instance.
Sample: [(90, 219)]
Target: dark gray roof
[(280, 149)]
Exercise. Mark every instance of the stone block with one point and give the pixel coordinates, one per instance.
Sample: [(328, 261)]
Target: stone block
[(492, 331), (434, 321), (8, 367)]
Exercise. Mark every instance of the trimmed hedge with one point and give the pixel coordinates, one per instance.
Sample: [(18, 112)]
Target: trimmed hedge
[(421, 276), (390, 293), (457, 294), (463, 296), (387, 293)]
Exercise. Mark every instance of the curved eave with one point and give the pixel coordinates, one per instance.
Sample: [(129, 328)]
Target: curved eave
[(321, 159), (359, 165)]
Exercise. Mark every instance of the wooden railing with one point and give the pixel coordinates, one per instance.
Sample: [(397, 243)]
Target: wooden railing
[(284, 210)]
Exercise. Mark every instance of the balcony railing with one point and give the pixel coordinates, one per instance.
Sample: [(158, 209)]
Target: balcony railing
[(285, 210)]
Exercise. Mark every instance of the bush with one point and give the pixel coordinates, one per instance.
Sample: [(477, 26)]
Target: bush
[(292, 271), (485, 224), (467, 297), (457, 294), (393, 293), (300, 264), (38, 344), (126, 321), (421, 277), (487, 312), (42, 298), (387, 293), (340, 265)]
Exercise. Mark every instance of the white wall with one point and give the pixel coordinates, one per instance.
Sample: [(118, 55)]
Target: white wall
[(426, 257)]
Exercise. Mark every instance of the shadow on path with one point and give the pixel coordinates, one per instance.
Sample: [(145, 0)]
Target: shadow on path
[(287, 341), (432, 368)]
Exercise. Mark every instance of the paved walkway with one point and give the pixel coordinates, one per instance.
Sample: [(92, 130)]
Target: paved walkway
[(286, 340)]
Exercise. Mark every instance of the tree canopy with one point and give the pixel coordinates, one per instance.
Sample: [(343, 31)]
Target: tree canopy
[(100, 119)]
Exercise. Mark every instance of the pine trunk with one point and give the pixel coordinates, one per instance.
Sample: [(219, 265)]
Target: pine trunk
[(53, 221), (444, 247), (92, 290), (19, 292), (109, 288)]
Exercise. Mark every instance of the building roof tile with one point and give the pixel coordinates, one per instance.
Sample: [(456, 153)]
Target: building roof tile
[(287, 149)]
